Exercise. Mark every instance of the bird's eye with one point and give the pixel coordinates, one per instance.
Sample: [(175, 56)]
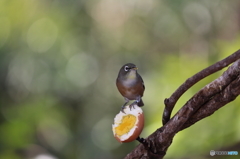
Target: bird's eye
[(126, 68)]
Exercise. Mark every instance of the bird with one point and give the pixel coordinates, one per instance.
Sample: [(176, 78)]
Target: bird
[(130, 85)]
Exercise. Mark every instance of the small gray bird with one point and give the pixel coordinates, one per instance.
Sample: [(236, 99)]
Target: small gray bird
[(130, 84)]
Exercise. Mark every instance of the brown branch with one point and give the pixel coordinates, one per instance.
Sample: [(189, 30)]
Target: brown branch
[(204, 103), (223, 90), (170, 102)]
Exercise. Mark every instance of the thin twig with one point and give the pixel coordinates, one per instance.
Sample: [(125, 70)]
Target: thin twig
[(170, 102), (223, 91)]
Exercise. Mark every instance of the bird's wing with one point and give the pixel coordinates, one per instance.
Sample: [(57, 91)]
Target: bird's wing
[(142, 82)]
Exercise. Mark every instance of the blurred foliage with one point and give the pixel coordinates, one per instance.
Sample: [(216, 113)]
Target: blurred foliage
[(59, 60)]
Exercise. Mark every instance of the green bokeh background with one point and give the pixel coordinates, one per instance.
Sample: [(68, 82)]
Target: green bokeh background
[(59, 60)]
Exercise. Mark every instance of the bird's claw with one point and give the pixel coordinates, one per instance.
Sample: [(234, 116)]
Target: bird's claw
[(132, 106), (122, 109)]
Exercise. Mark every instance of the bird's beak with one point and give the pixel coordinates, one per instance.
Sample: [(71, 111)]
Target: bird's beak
[(135, 68)]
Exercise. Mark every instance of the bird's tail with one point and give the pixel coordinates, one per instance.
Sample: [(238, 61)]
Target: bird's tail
[(140, 103)]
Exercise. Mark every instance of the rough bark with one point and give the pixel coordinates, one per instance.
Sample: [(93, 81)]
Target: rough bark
[(204, 103), (170, 102)]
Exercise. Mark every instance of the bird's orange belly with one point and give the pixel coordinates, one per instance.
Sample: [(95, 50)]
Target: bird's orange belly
[(132, 93)]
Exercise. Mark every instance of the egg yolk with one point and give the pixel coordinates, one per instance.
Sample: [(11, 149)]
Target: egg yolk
[(126, 124)]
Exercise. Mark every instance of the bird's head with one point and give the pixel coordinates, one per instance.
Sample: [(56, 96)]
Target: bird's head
[(128, 71)]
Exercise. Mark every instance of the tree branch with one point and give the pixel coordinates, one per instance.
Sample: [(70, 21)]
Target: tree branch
[(204, 103), (170, 102)]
